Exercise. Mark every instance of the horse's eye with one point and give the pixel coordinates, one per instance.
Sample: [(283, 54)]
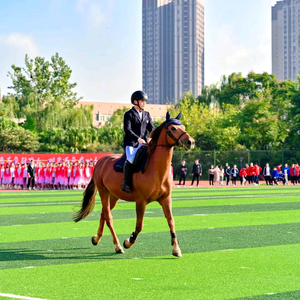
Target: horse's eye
[(173, 128)]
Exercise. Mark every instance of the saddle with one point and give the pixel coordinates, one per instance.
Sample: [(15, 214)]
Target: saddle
[(140, 161)]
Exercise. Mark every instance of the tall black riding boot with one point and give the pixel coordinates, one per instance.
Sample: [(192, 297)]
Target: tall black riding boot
[(127, 170)]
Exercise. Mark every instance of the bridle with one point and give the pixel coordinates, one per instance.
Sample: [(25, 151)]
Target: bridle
[(167, 144), (170, 134), (176, 140)]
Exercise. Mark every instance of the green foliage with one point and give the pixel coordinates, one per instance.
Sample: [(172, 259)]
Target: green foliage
[(261, 128), (45, 79), (18, 139), (291, 90), (42, 92), (110, 136), (55, 116), (255, 112), (6, 123), (73, 139)]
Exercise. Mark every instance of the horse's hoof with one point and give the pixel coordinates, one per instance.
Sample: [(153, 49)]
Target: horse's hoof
[(95, 240), (127, 244), (176, 253), (119, 250)]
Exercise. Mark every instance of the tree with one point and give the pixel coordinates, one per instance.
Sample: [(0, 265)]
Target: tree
[(243, 113), (291, 90), (79, 139), (47, 80), (111, 135), (261, 127), (208, 95), (18, 140), (41, 84), (55, 116), (52, 140)]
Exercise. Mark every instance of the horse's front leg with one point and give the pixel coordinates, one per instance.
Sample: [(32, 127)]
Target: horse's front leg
[(166, 204), (140, 211)]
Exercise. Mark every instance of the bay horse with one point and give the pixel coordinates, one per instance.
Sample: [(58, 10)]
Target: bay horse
[(154, 185)]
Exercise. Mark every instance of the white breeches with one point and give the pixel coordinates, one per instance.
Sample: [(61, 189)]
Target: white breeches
[(131, 152)]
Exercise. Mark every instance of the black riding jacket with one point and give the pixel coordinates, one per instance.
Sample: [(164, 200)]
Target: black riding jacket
[(135, 127)]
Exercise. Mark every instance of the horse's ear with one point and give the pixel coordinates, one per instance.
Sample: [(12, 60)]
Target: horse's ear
[(179, 116), (168, 116)]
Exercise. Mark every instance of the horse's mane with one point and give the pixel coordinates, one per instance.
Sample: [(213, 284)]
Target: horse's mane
[(154, 138)]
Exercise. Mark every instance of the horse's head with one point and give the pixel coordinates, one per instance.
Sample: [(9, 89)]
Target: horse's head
[(176, 134)]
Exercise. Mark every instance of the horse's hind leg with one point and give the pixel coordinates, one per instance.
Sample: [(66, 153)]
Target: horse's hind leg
[(118, 248), (96, 238), (108, 203)]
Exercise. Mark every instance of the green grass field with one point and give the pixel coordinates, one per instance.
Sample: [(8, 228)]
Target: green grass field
[(237, 243)]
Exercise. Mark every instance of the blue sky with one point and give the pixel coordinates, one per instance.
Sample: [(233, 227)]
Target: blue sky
[(101, 40)]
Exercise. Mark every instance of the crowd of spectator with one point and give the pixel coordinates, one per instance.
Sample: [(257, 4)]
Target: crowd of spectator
[(251, 174), (50, 175), (76, 175)]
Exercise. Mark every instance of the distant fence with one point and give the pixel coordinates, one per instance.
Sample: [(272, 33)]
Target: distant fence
[(206, 158), (239, 158)]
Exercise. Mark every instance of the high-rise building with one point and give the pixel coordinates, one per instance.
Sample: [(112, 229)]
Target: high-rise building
[(286, 39), (173, 49)]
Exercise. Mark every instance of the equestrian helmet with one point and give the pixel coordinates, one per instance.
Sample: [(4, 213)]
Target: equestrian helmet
[(139, 95)]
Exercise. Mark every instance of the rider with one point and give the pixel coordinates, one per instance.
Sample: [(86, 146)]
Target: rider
[(136, 124)]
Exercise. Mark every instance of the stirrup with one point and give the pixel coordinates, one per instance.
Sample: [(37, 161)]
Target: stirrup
[(126, 188)]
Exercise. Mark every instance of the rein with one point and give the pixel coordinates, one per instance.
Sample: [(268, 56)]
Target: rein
[(169, 133), (163, 145)]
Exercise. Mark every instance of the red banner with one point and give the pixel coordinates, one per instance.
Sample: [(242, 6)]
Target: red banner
[(50, 157)]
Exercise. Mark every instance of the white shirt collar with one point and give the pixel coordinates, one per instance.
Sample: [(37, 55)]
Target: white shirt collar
[(140, 112)]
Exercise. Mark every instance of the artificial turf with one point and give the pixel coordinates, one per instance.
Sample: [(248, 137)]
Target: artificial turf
[(237, 243)]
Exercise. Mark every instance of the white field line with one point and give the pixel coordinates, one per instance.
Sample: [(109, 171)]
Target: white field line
[(230, 196), (173, 199), (19, 297), (39, 204)]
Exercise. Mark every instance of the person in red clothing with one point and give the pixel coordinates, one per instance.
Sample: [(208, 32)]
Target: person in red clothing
[(67, 175), (279, 168), (91, 168), (58, 175), (39, 169), (62, 179), (42, 176), (53, 176), (48, 176), (250, 173), (7, 176), (298, 173), (19, 175), (243, 175), (247, 173), (294, 173), (257, 169), (25, 175)]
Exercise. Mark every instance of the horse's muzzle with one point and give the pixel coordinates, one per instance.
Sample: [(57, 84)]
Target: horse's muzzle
[(191, 143), (188, 143)]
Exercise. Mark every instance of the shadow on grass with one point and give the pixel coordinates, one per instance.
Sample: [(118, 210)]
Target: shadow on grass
[(149, 245)]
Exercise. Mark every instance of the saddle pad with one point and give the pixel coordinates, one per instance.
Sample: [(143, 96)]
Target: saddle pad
[(137, 167)]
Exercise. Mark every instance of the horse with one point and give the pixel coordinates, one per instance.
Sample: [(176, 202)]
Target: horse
[(158, 188)]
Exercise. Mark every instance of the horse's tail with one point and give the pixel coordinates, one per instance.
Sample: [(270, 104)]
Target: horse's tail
[(88, 201)]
